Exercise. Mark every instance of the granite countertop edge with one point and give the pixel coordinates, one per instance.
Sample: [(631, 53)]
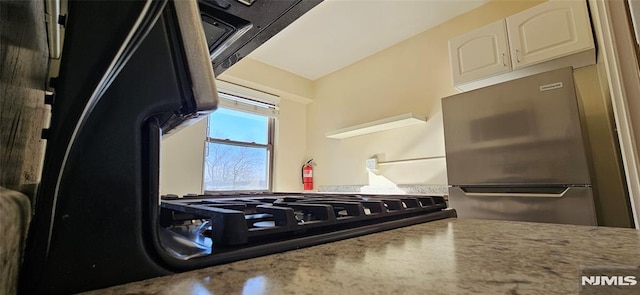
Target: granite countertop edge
[(449, 256)]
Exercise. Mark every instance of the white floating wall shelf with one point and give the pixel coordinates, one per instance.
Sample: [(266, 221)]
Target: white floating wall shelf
[(403, 120)]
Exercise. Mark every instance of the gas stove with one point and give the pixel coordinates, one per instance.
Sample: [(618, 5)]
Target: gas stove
[(227, 227), (130, 72)]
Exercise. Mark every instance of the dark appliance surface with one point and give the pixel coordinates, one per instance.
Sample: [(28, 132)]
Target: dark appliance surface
[(235, 28), (227, 227), (126, 77)]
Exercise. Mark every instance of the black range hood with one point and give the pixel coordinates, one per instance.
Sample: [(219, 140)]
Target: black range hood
[(234, 28)]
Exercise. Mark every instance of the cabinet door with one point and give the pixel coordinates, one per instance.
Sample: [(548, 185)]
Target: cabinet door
[(480, 53), (550, 30)]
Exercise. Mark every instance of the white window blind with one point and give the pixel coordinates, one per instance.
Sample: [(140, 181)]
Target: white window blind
[(240, 98)]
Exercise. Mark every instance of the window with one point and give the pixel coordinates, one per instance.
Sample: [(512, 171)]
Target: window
[(238, 152)]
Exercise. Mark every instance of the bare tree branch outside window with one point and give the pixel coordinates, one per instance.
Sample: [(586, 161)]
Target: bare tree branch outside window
[(235, 165)]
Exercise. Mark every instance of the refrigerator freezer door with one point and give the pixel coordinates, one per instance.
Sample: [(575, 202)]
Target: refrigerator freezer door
[(520, 132), (570, 205)]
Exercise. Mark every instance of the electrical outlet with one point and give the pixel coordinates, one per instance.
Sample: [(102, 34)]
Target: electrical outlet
[(372, 164)]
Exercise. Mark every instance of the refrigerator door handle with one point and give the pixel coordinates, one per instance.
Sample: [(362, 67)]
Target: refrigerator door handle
[(519, 194)]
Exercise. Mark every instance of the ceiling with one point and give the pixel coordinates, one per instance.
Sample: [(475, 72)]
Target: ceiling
[(337, 33)]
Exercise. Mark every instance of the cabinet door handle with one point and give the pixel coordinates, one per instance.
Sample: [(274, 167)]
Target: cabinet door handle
[(504, 64), (517, 56)]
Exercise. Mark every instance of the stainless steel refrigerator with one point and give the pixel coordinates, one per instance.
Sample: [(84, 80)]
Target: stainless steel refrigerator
[(516, 151)]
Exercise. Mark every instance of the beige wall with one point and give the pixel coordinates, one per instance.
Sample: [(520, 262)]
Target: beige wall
[(182, 152), (254, 74), (411, 76), (290, 138), (290, 146), (182, 160)]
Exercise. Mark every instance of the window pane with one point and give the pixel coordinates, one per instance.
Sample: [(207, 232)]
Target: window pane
[(238, 126), (230, 167)]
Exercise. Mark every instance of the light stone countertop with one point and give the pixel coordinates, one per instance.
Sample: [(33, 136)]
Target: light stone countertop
[(450, 256), (412, 189)]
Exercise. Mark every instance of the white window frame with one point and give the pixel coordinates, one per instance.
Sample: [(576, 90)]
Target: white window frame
[(238, 98)]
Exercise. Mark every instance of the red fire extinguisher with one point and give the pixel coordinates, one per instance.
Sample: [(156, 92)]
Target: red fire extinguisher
[(307, 175)]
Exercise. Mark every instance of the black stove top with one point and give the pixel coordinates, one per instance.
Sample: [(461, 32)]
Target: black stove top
[(257, 224), (130, 72)]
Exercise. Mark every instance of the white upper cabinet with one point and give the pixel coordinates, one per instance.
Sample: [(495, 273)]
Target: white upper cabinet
[(549, 36), (548, 31), (480, 53)]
